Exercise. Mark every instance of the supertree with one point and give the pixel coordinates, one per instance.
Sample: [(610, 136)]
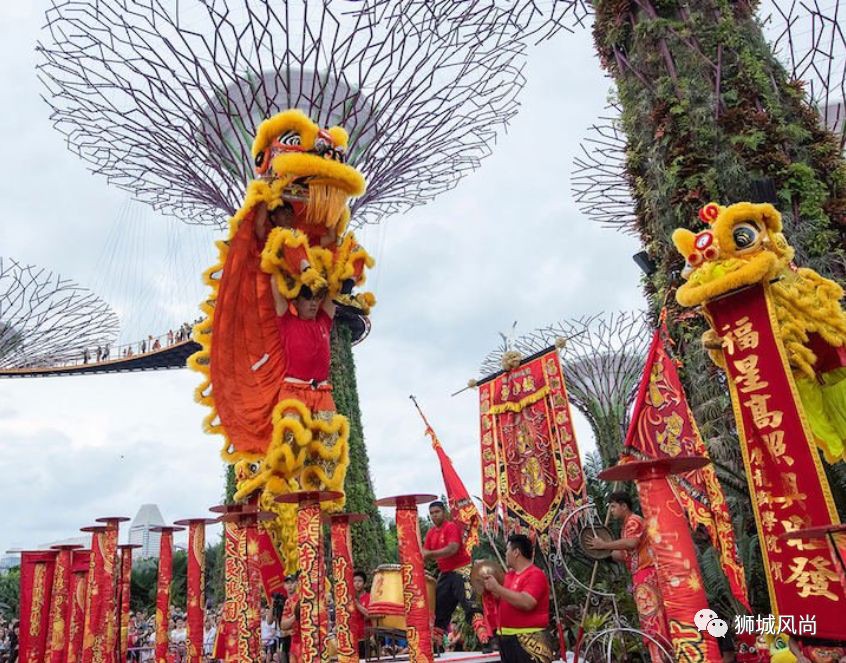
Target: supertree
[(164, 98), (46, 319), (754, 121), (602, 358)]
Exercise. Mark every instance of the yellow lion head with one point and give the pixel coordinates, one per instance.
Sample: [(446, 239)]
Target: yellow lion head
[(742, 246), (310, 163)]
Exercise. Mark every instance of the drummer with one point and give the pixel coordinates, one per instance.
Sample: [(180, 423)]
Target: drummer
[(445, 544), (523, 599)]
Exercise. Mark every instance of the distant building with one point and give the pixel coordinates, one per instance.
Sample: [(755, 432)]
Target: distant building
[(148, 516)]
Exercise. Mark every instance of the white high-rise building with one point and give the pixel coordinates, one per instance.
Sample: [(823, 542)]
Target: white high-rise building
[(140, 533)]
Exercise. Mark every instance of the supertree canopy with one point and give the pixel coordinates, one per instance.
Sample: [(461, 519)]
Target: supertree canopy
[(807, 40), (602, 358), (46, 319), (163, 98)]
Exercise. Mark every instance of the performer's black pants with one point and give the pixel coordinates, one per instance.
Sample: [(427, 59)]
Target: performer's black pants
[(526, 648), (453, 588)]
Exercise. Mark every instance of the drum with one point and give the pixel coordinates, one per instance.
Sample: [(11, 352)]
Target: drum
[(600, 531), (386, 597)]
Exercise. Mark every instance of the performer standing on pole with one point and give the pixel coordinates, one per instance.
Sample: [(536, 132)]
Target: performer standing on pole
[(444, 543), (523, 606), (633, 550)]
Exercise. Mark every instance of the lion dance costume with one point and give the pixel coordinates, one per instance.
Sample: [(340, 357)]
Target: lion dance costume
[(744, 245), (282, 434)]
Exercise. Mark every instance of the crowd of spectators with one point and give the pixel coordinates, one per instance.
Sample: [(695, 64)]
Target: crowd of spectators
[(9, 632), (149, 344)]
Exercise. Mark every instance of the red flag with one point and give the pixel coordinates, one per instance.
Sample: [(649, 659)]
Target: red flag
[(461, 506), (663, 426)]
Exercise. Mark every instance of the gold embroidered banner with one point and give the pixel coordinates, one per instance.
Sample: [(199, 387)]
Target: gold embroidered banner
[(786, 480), (125, 591), (163, 579), (80, 561), (96, 588), (237, 642), (679, 577), (342, 575), (414, 595), (195, 590), (36, 589), (662, 426), (530, 460), (57, 632), (309, 549), (271, 568)]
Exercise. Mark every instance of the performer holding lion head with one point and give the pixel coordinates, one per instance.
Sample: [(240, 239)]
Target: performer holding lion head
[(288, 261)]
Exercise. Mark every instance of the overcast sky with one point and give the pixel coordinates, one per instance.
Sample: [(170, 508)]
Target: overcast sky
[(507, 244)]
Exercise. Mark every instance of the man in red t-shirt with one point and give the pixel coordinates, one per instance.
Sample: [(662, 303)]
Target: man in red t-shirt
[(445, 544), (632, 549), (359, 616), (523, 599), (289, 623)]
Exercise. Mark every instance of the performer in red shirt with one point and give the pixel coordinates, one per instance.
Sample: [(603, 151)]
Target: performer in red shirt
[(445, 544), (290, 620), (358, 619), (632, 549), (523, 599)]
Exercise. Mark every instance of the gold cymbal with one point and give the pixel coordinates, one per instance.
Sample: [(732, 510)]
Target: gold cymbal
[(483, 568)]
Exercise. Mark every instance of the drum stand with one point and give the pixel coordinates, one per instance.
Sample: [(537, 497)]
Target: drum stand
[(415, 597)]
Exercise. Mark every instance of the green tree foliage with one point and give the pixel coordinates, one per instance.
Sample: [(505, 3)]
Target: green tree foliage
[(368, 537), (10, 587)]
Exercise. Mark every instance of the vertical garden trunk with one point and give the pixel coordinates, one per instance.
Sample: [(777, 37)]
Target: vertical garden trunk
[(707, 111), (368, 537)]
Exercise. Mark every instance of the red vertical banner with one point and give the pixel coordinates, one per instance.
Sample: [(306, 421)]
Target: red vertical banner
[(309, 551), (80, 560), (342, 575), (786, 480), (662, 426), (679, 575), (60, 602), (271, 568), (195, 586), (124, 594), (241, 617), (37, 569), (107, 643), (96, 588), (251, 556), (165, 576), (235, 602), (414, 592), (530, 459)]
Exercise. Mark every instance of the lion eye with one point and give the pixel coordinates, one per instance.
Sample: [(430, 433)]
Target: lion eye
[(289, 138), (744, 235), (254, 467)]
